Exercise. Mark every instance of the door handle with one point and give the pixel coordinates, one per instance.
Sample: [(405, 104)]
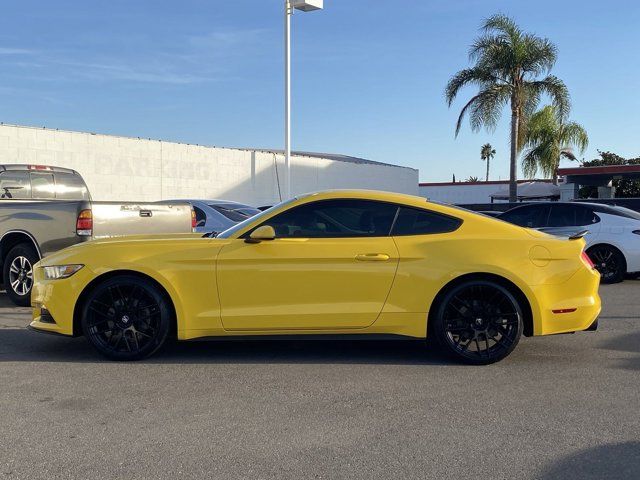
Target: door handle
[(145, 213), (372, 257)]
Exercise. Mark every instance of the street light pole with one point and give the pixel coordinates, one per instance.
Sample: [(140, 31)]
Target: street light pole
[(289, 5), (288, 11)]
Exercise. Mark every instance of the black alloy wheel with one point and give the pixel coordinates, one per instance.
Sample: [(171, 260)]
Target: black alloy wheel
[(478, 322), (126, 318), (18, 273), (609, 262)]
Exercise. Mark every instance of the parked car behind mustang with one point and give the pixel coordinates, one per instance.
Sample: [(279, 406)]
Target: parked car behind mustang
[(613, 241), (215, 216)]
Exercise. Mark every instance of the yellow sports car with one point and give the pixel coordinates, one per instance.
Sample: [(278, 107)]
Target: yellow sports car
[(337, 262)]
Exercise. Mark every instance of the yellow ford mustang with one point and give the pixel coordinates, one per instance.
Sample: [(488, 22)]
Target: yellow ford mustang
[(337, 262)]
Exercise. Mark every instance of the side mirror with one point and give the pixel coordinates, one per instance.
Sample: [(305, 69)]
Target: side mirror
[(265, 232)]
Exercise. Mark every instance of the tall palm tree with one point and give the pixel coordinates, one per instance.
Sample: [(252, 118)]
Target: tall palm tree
[(508, 64), (487, 152), (550, 138)]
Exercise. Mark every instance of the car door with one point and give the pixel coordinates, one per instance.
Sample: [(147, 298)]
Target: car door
[(330, 267)]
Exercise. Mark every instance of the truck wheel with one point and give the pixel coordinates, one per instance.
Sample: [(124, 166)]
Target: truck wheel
[(18, 273)]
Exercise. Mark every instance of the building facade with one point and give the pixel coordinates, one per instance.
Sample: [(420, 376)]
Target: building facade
[(467, 193), (126, 168)]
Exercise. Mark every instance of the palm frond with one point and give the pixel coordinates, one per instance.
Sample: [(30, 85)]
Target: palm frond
[(502, 25), (487, 109), (557, 92), (468, 76), (574, 134), (568, 154), (549, 139), (539, 55)]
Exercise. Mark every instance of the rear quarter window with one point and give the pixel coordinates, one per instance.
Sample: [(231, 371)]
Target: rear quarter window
[(70, 186), (413, 221)]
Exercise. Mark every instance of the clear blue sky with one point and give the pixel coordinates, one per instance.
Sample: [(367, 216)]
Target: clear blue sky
[(368, 74)]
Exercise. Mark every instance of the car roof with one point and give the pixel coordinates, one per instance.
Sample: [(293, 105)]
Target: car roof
[(35, 168), (390, 197)]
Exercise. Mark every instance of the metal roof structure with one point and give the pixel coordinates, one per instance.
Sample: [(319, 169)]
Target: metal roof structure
[(329, 156), (599, 176)]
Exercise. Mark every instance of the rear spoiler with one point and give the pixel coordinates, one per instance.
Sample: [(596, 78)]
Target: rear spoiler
[(578, 235)]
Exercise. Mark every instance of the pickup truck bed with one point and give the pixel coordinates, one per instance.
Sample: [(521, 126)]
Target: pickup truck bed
[(32, 229)]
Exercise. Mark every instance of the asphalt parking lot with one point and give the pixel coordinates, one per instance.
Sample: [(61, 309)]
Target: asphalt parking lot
[(558, 408)]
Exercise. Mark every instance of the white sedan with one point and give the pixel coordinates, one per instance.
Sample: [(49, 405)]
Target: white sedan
[(613, 239)]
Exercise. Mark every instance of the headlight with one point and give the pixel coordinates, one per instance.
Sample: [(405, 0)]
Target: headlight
[(60, 271)]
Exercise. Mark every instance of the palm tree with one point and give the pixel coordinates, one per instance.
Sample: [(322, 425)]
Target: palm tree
[(472, 179), (549, 138), (487, 152), (508, 64)]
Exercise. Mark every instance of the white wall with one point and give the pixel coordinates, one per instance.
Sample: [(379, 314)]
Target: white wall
[(462, 192), (123, 168)]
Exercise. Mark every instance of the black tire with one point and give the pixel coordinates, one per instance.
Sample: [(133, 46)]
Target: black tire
[(127, 318), (478, 322), (17, 273), (609, 261)]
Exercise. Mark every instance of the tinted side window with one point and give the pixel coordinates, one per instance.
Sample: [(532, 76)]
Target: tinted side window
[(42, 185), (70, 186), (570, 216), (15, 185), (532, 216), (586, 216), (201, 217), (413, 221), (335, 218)]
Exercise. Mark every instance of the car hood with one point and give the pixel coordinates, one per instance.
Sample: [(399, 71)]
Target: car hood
[(105, 251)]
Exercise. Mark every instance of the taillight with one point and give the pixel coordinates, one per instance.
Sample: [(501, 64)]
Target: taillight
[(84, 223), (194, 222), (587, 261)]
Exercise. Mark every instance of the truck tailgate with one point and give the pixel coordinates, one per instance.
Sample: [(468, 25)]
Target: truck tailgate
[(118, 219)]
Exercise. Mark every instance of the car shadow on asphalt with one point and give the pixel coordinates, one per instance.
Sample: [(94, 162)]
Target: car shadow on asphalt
[(612, 461), (628, 343), (22, 345)]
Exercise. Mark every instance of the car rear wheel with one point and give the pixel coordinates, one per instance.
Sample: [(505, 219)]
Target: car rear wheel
[(18, 273), (478, 322), (609, 261), (126, 318)]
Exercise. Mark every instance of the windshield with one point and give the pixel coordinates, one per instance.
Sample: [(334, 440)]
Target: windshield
[(235, 213), (229, 232)]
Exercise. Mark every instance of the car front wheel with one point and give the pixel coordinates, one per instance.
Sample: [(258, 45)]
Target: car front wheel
[(478, 322), (126, 318)]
